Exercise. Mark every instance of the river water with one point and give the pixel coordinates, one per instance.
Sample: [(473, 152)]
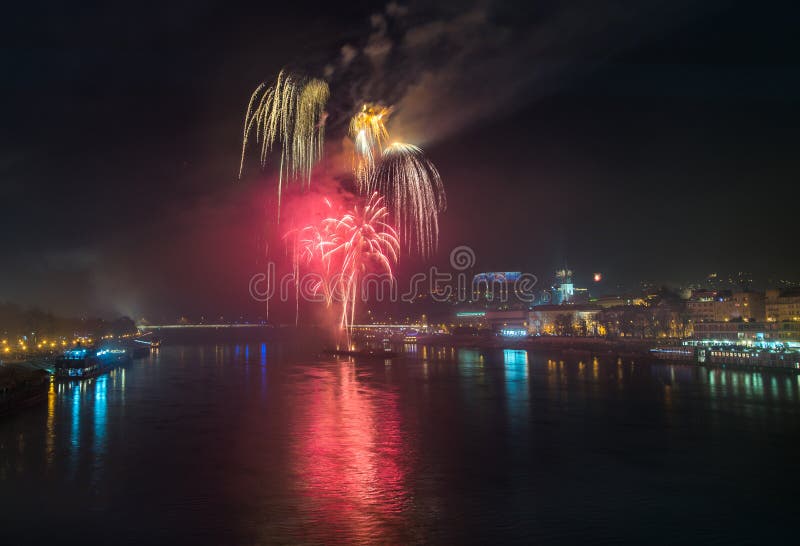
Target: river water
[(266, 442)]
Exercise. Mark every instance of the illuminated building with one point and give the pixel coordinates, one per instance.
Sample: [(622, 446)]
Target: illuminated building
[(564, 320), (499, 320), (470, 320), (615, 301), (783, 306), (580, 296), (748, 305), (700, 305), (748, 331), (563, 290), (664, 319), (720, 306), (496, 288)]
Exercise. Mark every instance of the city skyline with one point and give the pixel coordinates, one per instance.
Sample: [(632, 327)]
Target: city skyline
[(690, 183)]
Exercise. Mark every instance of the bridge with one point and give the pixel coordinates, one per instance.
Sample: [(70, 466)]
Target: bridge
[(400, 327), (155, 327), (147, 327)]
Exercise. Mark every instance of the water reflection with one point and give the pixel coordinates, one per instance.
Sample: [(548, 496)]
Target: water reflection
[(515, 364), (100, 414), (263, 366), (75, 429), (350, 456), (50, 441), (76, 412), (466, 442)]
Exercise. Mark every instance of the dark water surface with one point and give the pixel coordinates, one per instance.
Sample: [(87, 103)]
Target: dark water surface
[(265, 442)]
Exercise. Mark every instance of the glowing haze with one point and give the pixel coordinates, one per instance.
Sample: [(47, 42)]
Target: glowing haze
[(397, 187)]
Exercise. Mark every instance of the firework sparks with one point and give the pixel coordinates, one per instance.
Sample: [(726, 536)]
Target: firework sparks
[(290, 112), (396, 180), (368, 131), (343, 248), (414, 193), (363, 238), (309, 130)]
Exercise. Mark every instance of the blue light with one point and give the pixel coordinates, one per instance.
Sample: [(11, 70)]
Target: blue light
[(263, 365), (515, 357), (100, 413), (514, 332), (76, 420)]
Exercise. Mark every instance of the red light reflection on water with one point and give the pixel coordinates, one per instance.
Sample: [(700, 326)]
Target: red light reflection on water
[(351, 460)]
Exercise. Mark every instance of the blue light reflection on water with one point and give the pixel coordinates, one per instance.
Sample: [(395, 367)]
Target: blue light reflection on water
[(75, 430), (100, 415), (263, 366)]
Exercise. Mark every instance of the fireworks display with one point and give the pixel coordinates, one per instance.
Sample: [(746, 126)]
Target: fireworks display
[(369, 134), (415, 194), (363, 240), (397, 185), (341, 249), (290, 112), (400, 172)]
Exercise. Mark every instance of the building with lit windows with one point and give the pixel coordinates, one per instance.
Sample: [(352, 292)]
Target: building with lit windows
[(783, 305), (723, 305), (615, 301), (513, 319), (564, 320), (471, 320), (748, 331), (563, 289)]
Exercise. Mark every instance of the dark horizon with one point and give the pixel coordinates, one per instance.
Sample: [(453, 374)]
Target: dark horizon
[(655, 143)]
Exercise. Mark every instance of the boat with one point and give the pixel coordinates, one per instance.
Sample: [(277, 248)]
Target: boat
[(85, 362), (140, 349), (765, 354), (362, 353), (21, 386)]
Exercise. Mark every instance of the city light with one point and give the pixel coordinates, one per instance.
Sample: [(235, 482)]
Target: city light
[(513, 332)]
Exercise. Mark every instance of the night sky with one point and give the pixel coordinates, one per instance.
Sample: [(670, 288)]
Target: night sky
[(647, 140)]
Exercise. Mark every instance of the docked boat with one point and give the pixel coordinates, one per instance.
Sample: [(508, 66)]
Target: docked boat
[(363, 353), (21, 386), (761, 355), (85, 362)]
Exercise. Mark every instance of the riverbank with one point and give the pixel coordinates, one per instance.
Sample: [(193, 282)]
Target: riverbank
[(21, 385), (544, 344), (641, 350)]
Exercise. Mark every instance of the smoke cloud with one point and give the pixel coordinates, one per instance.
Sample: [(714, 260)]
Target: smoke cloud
[(444, 71)]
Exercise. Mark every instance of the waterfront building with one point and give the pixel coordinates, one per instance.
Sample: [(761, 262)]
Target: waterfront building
[(499, 320), (615, 301), (783, 305), (472, 320), (748, 331), (581, 296), (564, 320), (724, 305), (497, 290), (563, 289), (787, 331), (663, 319)]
